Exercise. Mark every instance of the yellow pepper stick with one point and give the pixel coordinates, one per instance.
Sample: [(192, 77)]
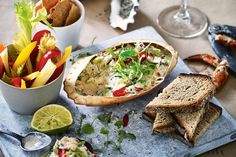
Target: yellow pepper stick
[(4, 57), (32, 76), (23, 85), (24, 55), (65, 56)]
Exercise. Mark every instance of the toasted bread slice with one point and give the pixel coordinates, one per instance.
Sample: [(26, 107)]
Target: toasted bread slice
[(59, 13), (210, 116), (188, 92), (164, 123), (74, 14), (189, 121)]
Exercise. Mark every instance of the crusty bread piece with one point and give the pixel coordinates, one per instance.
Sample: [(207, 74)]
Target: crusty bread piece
[(186, 92), (73, 15), (189, 121), (210, 116), (163, 123)]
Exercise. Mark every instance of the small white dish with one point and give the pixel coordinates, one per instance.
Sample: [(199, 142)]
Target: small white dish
[(28, 100), (66, 35)]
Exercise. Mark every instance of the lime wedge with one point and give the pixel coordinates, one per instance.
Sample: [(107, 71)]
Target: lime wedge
[(52, 119)]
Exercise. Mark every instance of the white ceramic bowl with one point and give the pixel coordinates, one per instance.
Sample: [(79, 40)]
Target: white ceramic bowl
[(67, 35), (27, 101)]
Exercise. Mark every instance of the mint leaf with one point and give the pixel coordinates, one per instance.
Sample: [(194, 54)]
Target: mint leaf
[(87, 129), (104, 131), (131, 136), (118, 124), (105, 118)]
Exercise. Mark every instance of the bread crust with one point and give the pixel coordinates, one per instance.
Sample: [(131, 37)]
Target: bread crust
[(216, 112), (180, 122)]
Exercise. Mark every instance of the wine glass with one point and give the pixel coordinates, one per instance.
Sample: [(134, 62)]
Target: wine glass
[(183, 21)]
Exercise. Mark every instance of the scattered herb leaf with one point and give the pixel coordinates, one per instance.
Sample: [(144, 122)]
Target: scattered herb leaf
[(131, 136), (104, 131), (118, 147), (118, 124), (107, 143), (105, 118), (87, 129)]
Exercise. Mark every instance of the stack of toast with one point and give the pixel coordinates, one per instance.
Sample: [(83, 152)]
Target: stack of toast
[(183, 107)]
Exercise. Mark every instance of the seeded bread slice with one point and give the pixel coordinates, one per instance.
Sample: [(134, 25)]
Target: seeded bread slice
[(187, 92), (210, 116), (189, 121)]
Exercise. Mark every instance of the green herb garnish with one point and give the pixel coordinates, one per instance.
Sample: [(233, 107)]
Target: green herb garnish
[(87, 129), (119, 124), (105, 119), (130, 65), (104, 131)]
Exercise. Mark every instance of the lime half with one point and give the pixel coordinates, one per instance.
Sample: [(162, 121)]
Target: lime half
[(52, 119)]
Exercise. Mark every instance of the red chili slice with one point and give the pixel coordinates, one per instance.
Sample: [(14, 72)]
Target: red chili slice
[(128, 61), (120, 92), (141, 54), (62, 152), (138, 89), (125, 120)]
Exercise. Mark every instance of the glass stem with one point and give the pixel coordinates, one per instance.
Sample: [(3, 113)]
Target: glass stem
[(183, 13)]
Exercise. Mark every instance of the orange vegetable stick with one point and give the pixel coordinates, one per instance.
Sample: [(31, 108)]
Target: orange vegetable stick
[(1, 47)]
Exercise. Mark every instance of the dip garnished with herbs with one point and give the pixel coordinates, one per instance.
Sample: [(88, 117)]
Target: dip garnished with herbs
[(124, 70), (71, 147)]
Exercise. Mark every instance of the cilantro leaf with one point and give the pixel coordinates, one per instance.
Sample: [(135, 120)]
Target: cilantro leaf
[(105, 118), (104, 131), (119, 124), (87, 129), (120, 138), (131, 136)]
